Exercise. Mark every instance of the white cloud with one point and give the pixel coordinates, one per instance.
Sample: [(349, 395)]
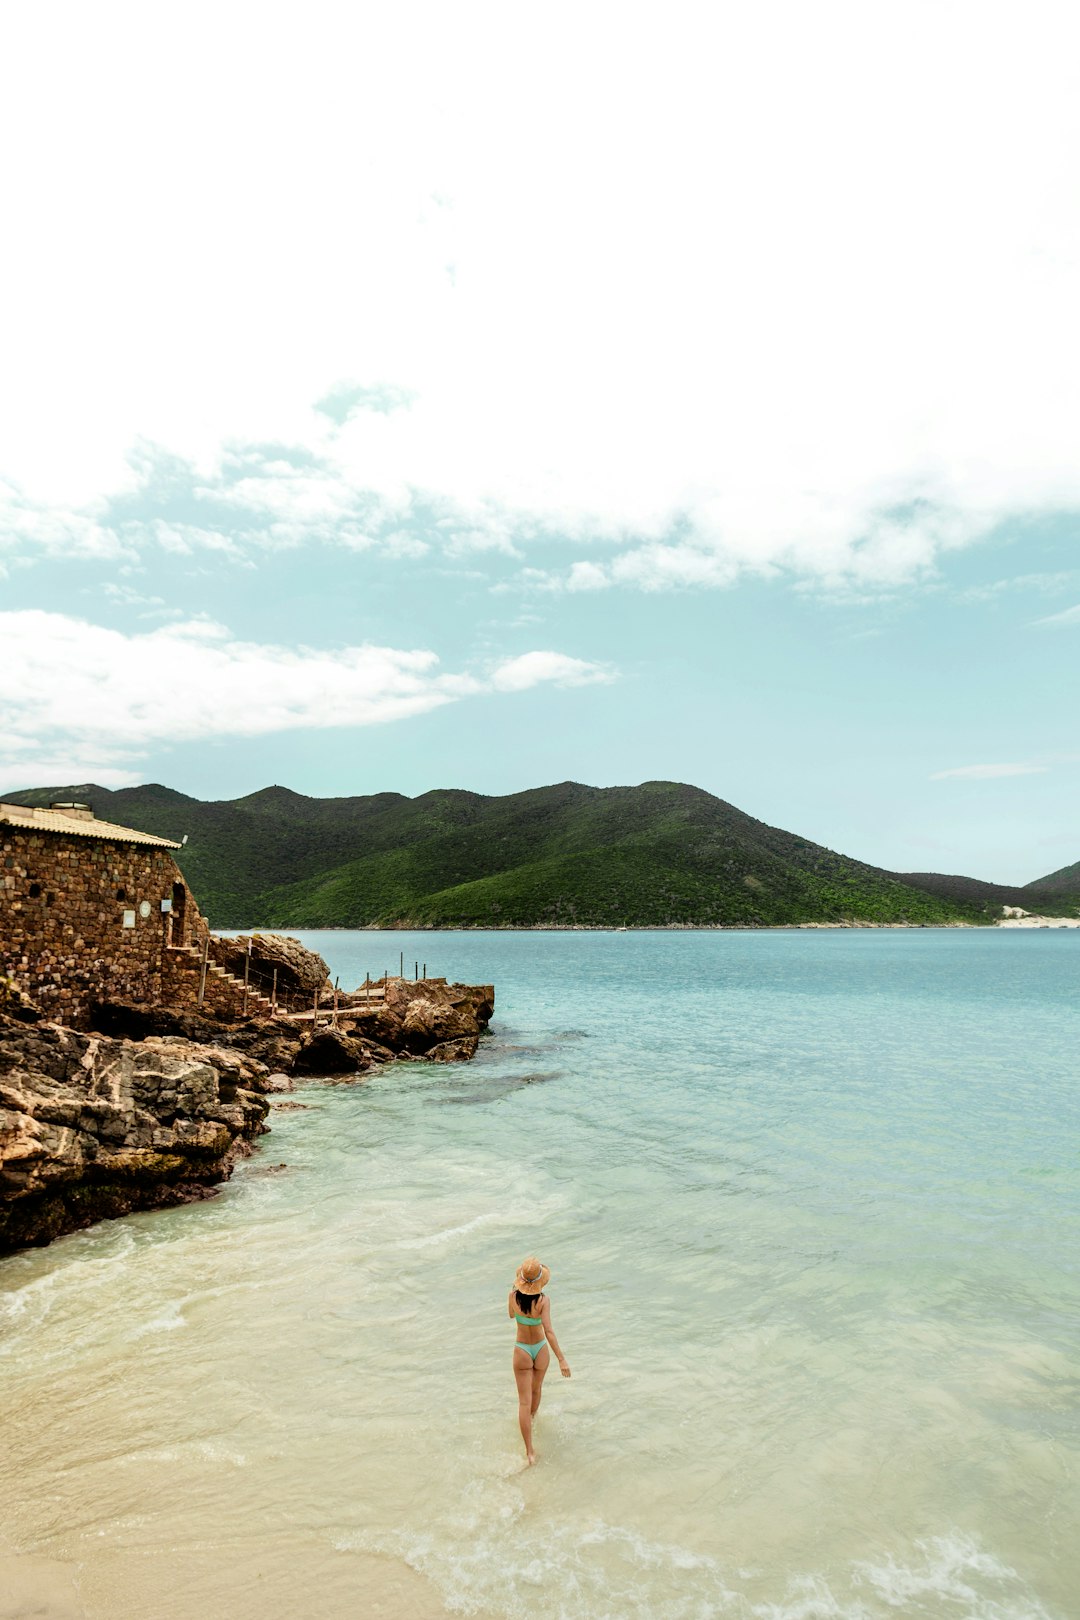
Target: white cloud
[(533, 668), (984, 773), (1048, 583), (587, 576), (80, 700), (127, 598), (1063, 620), (694, 306), (183, 539), (53, 529)]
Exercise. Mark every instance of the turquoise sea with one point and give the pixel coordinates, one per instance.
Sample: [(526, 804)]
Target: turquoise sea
[(811, 1203)]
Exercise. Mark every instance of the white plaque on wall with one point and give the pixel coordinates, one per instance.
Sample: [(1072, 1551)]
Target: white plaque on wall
[(129, 919)]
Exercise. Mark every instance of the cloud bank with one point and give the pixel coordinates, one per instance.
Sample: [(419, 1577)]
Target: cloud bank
[(80, 701), (773, 290), (986, 773)]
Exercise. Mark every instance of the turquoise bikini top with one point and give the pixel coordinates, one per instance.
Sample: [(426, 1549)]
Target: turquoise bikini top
[(529, 1321)]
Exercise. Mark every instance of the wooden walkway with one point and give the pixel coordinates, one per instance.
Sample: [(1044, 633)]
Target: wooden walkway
[(327, 1012)]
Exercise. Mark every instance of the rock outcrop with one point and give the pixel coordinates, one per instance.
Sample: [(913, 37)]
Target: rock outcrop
[(273, 1041), (92, 1126), (420, 1019), (404, 1018), (331, 1052), (155, 1105), (301, 974)]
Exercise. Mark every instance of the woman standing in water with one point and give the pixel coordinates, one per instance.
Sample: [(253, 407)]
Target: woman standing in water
[(531, 1310)]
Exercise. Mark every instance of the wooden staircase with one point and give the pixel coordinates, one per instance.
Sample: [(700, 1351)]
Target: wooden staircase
[(256, 1001)]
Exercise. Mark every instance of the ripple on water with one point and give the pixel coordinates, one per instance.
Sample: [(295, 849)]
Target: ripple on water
[(491, 1558)]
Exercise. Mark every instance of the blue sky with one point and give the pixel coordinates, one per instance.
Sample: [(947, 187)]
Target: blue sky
[(393, 402)]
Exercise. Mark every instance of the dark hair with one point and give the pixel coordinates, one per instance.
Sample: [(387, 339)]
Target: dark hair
[(525, 1301)]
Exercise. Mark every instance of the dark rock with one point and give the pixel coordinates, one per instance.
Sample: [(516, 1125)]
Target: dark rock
[(376, 1052), (274, 1042), (135, 1020), (457, 1051), (330, 1051), (16, 1003)]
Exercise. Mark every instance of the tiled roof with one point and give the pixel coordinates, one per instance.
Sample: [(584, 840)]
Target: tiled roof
[(83, 826)]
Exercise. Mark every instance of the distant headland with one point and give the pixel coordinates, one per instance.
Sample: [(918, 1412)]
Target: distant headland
[(659, 855)]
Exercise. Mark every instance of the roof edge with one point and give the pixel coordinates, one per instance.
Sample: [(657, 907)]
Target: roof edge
[(27, 819)]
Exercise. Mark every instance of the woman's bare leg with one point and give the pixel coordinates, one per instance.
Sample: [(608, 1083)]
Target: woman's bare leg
[(523, 1376), (540, 1367)]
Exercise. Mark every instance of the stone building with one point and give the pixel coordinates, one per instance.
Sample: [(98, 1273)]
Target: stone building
[(91, 912)]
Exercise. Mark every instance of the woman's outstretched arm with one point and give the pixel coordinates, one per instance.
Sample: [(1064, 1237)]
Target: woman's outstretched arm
[(549, 1334)]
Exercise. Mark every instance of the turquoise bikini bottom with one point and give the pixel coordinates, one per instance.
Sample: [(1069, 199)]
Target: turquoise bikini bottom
[(533, 1349)]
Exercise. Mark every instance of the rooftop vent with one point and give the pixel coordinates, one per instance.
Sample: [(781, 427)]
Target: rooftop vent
[(80, 812)]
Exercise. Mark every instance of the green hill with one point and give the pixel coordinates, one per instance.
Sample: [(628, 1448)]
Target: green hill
[(1037, 896), (1065, 883), (660, 854)]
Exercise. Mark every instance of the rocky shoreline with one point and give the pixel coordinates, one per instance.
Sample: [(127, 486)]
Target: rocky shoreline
[(153, 1106)]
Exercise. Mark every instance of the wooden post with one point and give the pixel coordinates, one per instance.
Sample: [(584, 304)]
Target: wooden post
[(315, 1014), (247, 974), (202, 975), (425, 973), (367, 986), (335, 1002), (273, 997), (401, 969)]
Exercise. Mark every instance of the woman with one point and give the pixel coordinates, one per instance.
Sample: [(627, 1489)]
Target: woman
[(531, 1310)]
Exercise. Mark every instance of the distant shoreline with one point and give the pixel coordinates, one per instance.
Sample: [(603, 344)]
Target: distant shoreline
[(1034, 925), (588, 928)]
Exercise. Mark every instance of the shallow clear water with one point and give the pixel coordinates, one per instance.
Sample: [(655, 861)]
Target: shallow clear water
[(810, 1204)]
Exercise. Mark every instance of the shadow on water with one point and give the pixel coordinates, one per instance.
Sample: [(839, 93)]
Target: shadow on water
[(493, 1090), (497, 1047), (494, 1051)]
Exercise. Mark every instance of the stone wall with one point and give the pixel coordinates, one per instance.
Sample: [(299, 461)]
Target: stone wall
[(63, 906)]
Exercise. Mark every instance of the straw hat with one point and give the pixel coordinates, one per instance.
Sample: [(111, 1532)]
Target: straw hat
[(532, 1276)]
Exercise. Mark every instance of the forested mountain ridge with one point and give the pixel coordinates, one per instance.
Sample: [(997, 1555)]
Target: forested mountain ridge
[(1037, 896), (660, 854), (1064, 882)]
